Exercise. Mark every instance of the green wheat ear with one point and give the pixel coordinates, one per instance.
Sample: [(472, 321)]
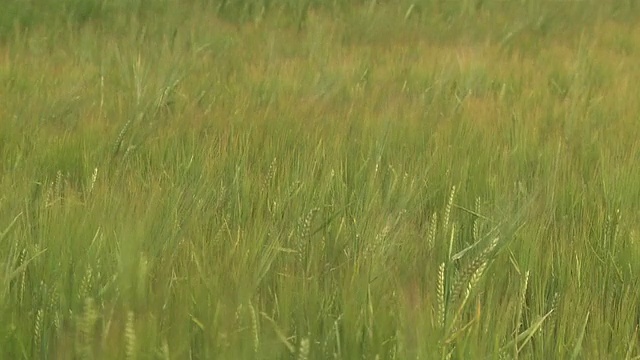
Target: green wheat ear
[(447, 210), (37, 333), (304, 350), (86, 329), (254, 328), (118, 143), (440, 293), (433, 228), (130, 336)]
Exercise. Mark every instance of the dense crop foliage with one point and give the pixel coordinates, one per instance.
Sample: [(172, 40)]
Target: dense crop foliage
[(319, 179)]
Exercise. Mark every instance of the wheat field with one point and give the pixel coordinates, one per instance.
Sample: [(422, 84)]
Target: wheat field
[(315, 179)]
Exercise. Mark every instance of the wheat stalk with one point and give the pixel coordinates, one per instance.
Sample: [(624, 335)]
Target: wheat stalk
[(130, 336), (94, 177), (522, 300), (433, 227), (164, 350), (86, 329), (304, 232), (254, 328), (58, 185), (441, 295), (23, 275), (473, 271), (447, 210), (273, 167), (85, 284), (120, 138), (476, 221), (303, 351), (37, 332)]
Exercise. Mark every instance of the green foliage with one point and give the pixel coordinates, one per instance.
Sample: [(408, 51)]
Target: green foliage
[(319, 179), (20, 17)]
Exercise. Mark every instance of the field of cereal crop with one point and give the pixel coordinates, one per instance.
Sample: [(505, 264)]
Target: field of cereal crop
[(255, 179)]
